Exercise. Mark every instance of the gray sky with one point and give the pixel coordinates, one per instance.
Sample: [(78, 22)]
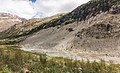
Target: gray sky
[(26, 9)]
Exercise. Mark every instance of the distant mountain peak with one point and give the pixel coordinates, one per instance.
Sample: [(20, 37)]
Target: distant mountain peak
[(7, 20)]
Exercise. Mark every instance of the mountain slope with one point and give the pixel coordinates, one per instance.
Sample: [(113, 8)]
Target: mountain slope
[(97, 33), (8, 20), (85, 11), (20, 31), (100, 22), (92, 27)]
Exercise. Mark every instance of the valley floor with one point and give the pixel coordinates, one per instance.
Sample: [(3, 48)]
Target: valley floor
[(14, 60), (78, 55)]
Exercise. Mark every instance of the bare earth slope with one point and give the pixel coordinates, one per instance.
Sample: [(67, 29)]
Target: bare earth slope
[(91, 36)]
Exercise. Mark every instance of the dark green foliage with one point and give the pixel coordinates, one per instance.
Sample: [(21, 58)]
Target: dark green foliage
[(12, 59)]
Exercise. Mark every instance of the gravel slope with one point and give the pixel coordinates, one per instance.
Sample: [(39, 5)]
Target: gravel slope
[(60, 41)]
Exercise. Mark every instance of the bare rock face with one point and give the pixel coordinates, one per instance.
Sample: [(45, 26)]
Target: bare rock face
[(115, 9), (7, 20)]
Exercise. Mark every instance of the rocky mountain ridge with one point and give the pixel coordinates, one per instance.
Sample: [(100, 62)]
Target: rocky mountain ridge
[(7, 20)]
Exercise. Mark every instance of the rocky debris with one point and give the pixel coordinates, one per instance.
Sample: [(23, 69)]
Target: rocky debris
[(25, 71), (115, 9), (70, 29), (97, 31)]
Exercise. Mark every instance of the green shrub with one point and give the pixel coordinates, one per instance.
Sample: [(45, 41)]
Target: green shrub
[(13, 60)]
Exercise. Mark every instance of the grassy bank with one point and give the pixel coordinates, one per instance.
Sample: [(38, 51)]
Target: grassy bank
[(13, 60)]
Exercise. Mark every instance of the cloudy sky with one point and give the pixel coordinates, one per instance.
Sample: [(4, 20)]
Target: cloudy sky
[(39, 8)]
